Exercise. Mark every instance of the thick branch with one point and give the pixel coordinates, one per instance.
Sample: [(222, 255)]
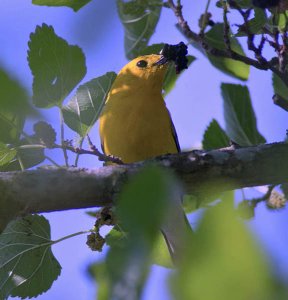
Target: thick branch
[(45, 190)]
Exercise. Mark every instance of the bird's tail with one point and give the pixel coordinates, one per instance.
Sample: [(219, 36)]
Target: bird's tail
[(176, 228), (175, 233)]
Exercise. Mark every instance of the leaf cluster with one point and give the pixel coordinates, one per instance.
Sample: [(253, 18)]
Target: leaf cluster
[(27, 265)]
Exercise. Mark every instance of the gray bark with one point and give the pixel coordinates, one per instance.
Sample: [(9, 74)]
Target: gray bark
[(46, 190)]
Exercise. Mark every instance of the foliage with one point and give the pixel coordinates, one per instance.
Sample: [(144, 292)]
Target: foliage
[(27, 264), (221, 262), (74, 4), (214, 38), (56, 67), (139, 19), (83, 110), (239, 115), (223, 258)]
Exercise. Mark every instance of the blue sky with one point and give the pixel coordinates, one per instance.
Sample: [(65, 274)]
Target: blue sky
[(193, 103)]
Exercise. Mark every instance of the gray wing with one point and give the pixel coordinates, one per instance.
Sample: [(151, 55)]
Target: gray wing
[(174, 133)]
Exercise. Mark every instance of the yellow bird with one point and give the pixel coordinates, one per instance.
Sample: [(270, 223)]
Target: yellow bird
[(135, 125)]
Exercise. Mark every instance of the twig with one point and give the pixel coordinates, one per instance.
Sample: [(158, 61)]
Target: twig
[(191, 35), (103, 157), (20, 162), (226, 27), (52, 161), (278, 100), (63, 138), (260, 63), (205, 17), (77, 155), (255, 201), (282, 53), (93, 151), (250, 36)]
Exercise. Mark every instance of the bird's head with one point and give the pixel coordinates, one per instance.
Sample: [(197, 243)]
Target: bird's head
[(145, 70)]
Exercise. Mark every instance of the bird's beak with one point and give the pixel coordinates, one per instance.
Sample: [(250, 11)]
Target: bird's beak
[(162, 61)]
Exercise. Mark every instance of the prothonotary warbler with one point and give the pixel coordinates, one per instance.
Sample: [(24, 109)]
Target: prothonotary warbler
[(135, 124)]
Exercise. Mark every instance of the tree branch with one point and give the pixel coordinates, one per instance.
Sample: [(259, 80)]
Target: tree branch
[(53, 189), (260, 63)]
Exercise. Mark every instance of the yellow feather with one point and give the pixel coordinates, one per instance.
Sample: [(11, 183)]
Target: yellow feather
[(135, 124)]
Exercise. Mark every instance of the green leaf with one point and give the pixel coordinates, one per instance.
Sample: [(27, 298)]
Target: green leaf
[(116, 237), (223, 261), (99, 272), (152, 49), (27, 264), (140, 211), (26, 157), (237, 69), (246, 209), (281, 21), (171, 76), (241, 3), (255, 25), (6, 154), (160, 253), (154, 185), (14, 108), (139, 19), (83, 110), (278, 19), (205, 198), (214, 137), (239, 115), (74, 4), (280, 88), (57, 67)]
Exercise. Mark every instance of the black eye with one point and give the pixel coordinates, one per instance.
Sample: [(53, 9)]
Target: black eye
[(142, 64)]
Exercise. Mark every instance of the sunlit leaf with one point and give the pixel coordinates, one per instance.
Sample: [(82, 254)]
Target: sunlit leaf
[(14, 108), (246, 209), (139, 19), (83, 110), (27, 264), (223, 261), (281, 21), (98, 271), (239, 115), (237, 69), (116, 238), (57, 67), (26, 156), (214, 137), (280, 88), (74, 4), (6, 154), (160, 253)]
